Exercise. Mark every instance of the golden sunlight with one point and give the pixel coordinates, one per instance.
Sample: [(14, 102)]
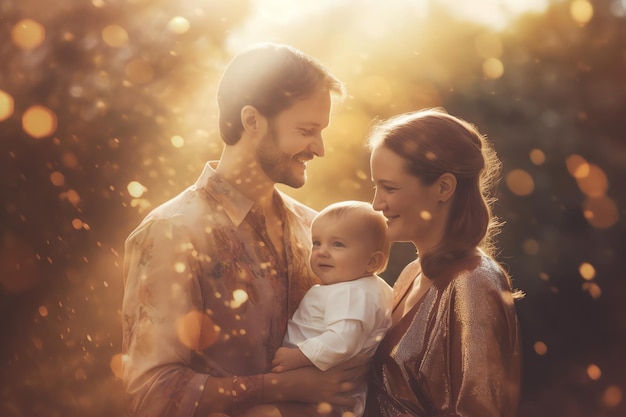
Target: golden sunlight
[(494, 13), (270, 17)]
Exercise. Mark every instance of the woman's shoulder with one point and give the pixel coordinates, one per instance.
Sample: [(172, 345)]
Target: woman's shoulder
[(484, 273), (412, 268)]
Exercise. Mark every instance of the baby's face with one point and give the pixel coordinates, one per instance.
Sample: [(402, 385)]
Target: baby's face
[(341, 252)]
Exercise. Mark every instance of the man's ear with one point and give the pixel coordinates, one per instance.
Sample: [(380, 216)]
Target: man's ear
[(375, 262), (251, 119), (446, 186)]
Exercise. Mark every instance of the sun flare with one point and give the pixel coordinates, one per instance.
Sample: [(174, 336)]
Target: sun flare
[(269, 16)]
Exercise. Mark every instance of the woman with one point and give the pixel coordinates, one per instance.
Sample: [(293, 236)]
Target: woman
[(453, 349)]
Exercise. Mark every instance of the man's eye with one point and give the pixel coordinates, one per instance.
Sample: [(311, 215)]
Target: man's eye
[(306, 132)]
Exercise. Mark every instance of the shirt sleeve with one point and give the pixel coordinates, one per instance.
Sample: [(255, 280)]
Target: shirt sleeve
[(348, 320), (162, 322)]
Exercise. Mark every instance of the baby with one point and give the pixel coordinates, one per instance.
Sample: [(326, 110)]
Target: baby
[(350, 311)]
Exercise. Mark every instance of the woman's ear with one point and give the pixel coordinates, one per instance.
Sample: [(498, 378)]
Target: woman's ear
[(375, 262), (447, 186), (251, 119)]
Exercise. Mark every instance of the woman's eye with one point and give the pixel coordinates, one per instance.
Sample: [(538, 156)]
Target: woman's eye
[(385, 188), (306, 132)]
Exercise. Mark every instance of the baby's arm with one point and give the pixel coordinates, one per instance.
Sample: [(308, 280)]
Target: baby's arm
[(287, 359)]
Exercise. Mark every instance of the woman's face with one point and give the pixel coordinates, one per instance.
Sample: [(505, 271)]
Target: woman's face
[(405, 201)]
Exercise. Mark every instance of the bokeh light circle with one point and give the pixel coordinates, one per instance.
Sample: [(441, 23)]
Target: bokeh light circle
[(115, 36), (581, 11), (587, 271), (600, 212), (178, 25), (520, 182), (28, 34), (493, 68), (537, 156), (6, 105), (136, 189), (139, 71), (577, 166), (196, 330), (39, 121), (595, 183)]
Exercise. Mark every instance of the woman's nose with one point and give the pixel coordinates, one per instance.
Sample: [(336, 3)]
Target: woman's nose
[(377, 202)]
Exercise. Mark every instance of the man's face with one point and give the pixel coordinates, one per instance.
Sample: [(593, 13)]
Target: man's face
[(293, 138)]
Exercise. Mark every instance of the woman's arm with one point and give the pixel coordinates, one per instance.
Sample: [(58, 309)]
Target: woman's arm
[(484, 351)]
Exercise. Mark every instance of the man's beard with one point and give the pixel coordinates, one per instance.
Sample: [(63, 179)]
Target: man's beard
[(275, 164)]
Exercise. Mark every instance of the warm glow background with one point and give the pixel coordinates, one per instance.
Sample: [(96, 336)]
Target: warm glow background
[(107, 109)]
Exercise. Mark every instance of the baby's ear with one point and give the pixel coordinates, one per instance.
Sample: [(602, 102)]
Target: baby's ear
[(375, 262)]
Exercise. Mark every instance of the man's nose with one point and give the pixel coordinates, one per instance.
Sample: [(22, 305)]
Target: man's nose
[(318, 146)]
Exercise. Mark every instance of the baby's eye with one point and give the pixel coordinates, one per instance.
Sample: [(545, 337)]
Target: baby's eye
[(316, 243), (339, 245)]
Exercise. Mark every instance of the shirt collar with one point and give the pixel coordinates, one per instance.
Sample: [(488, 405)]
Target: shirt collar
[(235, 205)]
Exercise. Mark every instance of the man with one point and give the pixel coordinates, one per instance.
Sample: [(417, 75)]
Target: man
[(212, 276)]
